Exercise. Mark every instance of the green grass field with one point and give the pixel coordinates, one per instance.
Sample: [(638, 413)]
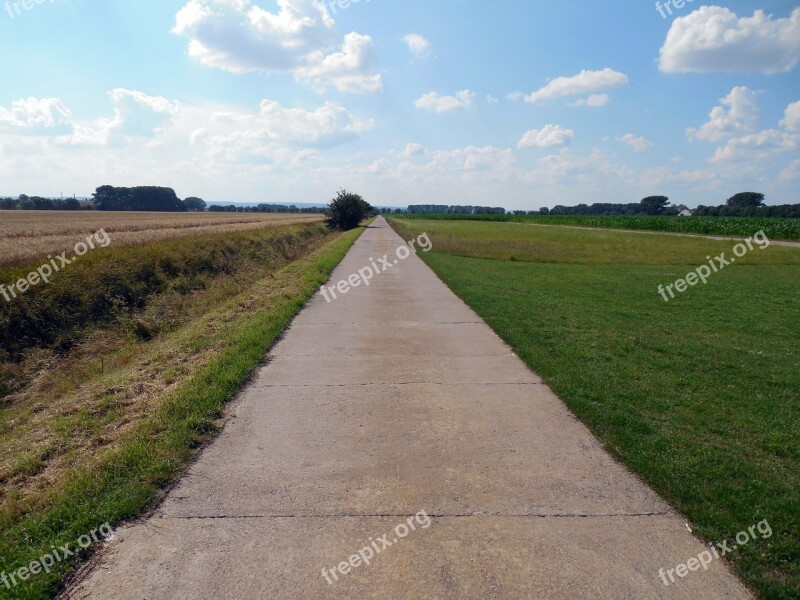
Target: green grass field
[(775, 228), (699, 396)]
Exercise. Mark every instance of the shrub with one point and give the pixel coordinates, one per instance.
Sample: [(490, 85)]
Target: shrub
[(346, 211)]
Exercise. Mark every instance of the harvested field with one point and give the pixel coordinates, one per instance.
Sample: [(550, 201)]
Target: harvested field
[(29, 235)]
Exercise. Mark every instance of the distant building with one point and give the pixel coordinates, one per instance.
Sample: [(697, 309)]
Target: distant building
[(685, 213)]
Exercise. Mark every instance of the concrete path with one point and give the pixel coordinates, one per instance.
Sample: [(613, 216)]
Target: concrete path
[(394, 419)]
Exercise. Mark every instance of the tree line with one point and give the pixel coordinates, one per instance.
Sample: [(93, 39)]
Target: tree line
[(110, 198), (743, 204), (25, 202), (267, 208), (443, 209), (164, 199)]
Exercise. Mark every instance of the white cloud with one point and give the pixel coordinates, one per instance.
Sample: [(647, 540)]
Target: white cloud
[(582, 83), (347, 71), (492, 99), (434, 102), (593, 101), (587, 171), (713, 38), (637, 142), (546, 137), (741, 116), (490, 161), (275, 126), (35, 115), (791, 119), (417, 44), (138, 114), (155, 122), (412, 150), (791, 172), (241, 37), (757, 146), (514, 96)]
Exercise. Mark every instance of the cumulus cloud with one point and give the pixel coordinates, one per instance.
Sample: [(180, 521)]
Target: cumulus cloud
[(738, 114), (242, 132), (417, 44), (593, 101), (412, 150), (347, 71), (241, 37), (791, 120), (138, 114), (714, 38), (757, 146), (34, 115), (546, 137), (434, 102), (488, 159), (582, 83), (222, 131), (573, 169), (637, 142)]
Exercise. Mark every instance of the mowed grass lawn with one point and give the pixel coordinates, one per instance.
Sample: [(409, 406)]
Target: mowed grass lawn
[(699, 396)]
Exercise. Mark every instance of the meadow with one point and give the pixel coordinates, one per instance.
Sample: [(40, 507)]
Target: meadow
[(775, 229), (700, 396), (26, 235), (115, 373)]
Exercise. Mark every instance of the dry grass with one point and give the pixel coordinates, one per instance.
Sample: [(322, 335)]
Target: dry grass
[(26, 236), (77, 404)]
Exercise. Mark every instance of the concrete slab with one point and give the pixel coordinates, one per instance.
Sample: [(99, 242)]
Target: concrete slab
[(393, 399), (454, 558), (454, 449)]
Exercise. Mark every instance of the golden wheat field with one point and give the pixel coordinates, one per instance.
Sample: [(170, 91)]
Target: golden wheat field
[(29, 235)]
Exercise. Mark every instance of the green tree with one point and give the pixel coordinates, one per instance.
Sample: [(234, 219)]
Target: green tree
[(147, 198), (346, 211), (195, 204), (743, 199), (655, 205)]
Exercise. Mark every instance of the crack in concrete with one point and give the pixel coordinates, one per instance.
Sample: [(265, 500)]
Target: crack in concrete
[(337, 353), (432, 516), (401, 324), (294, 385)]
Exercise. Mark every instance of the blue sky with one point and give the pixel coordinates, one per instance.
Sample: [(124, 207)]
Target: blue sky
[(515, 104)]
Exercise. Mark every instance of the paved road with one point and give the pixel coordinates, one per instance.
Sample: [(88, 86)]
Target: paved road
[(396, 405)]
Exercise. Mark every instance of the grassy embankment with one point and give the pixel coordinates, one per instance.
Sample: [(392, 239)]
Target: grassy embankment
[(700, 396), (776, 229), (108, 407)]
